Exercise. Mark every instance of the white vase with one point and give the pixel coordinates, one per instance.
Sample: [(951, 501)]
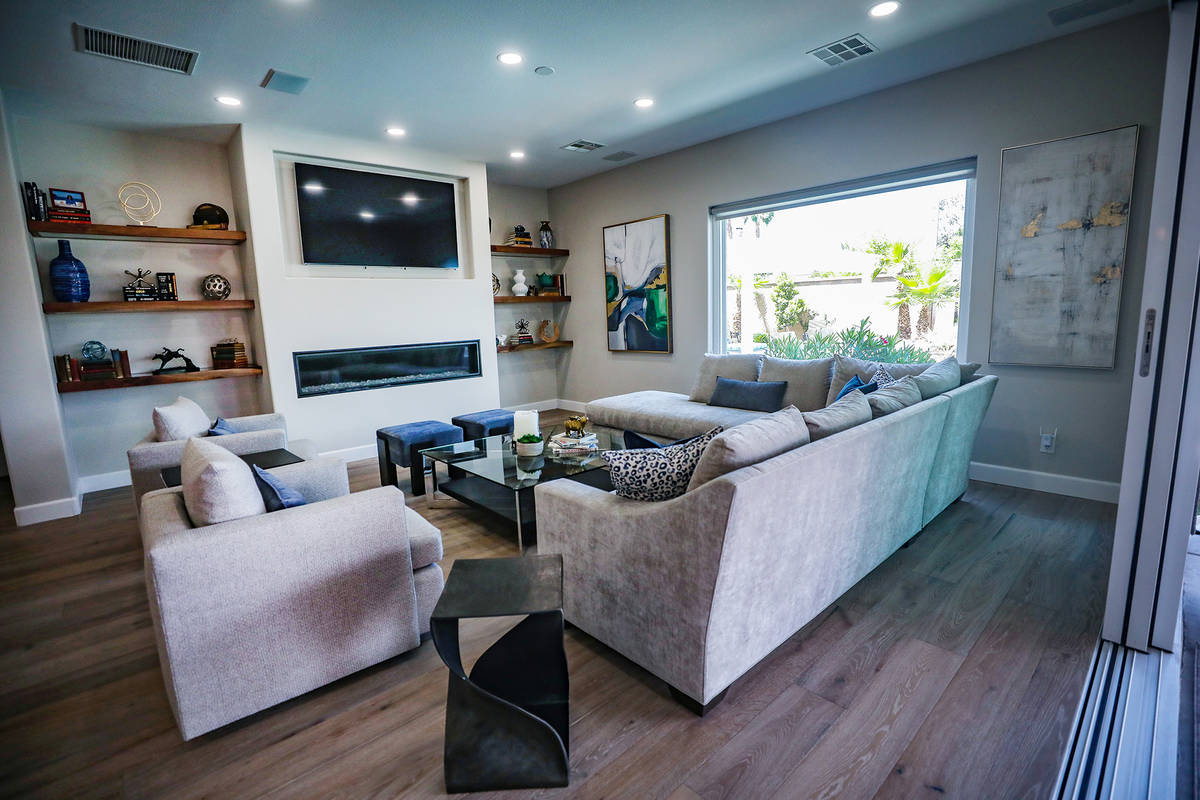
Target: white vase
[(519, 288)]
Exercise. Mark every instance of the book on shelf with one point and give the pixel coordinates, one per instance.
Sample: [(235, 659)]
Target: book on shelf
[(166, 286), (62, 368), (74, 368), (70, 220), (229, 355), (115, 354), (126, 371)]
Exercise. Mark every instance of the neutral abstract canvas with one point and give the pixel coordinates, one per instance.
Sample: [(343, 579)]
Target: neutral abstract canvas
[(1060, 250), (637, 285)]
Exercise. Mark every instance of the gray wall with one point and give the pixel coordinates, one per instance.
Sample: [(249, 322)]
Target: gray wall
[(1101, 78)]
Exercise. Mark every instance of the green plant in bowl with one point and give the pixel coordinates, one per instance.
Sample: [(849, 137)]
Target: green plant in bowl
[(530, 438)]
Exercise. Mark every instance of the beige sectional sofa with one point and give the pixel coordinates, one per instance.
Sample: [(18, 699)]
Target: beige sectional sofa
[(700, 588)]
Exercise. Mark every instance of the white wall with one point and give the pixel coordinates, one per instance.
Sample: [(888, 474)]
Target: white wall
[(315, 310), (101, 425), (1102, 78)]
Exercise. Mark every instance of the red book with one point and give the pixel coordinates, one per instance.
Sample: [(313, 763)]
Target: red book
[(126, 371), (75, 374), (61, 368)]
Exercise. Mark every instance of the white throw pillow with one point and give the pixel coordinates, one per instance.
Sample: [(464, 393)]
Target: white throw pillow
[(217, 485), (182, 419), (750, 443), (896, 395)]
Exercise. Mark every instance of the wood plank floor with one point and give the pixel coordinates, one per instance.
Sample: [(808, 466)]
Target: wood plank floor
[(953, 670)]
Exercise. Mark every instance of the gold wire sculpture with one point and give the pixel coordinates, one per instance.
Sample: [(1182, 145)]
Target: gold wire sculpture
[(140, 202)]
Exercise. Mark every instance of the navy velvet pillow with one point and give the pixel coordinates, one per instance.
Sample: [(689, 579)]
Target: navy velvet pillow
[(635, 441), (275, 493), (220, 428), (856, 383), (750, 395)]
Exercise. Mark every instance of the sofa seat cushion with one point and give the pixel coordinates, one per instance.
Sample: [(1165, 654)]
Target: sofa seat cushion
[(667, 414), (851, 410), (182, 419), (845, 368), (217, 485), (750, 443), (807, 381), (424, 540), (900, 393), (738, 366)]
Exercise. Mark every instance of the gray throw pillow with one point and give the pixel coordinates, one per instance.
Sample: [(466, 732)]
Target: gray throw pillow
[(807, 381), (653, 475), (182, 419), (217, 485), (967, 371), (851, 410), (899, 394), (845, 368), (941, 377), (750, 443), (739, 367)]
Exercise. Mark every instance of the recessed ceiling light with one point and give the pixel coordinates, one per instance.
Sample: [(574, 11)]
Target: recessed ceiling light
[(227, 100), (517, 154), (509, 57), (884, 9), (312, 187), (366, 215), (544, 70), (644, 102), (394, 131), (410, 199)]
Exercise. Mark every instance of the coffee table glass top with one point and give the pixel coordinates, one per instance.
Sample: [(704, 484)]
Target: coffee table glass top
[(493, 459)]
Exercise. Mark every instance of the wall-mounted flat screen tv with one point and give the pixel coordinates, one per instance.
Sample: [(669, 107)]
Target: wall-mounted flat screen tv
[(368, 219)]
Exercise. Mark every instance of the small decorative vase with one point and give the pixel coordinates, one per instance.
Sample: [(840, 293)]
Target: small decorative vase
[(528, 449), (68, 276), (519, 288), (545, 235)]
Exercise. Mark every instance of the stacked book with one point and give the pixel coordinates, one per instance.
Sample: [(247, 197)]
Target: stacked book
[(64, 215), (167, 288), (562, 444), (229, 355), (519, 239), (69, 370), (521, 338), (557, 288), (35, 201)]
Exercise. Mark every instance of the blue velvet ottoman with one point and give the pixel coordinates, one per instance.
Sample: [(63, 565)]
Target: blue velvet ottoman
[(399, 445), (482, 424)]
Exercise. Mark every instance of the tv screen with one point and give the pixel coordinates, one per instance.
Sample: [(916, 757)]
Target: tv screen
[(368, 219)]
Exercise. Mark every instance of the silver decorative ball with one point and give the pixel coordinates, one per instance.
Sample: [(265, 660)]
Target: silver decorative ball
[(216, 287)]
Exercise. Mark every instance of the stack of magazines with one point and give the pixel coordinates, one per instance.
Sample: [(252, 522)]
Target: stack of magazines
[(563, 445)]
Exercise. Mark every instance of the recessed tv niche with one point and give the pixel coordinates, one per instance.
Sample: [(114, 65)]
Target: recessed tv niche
[(368, 219)]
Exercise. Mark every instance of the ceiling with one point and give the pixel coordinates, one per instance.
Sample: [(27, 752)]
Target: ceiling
[(712, 68)]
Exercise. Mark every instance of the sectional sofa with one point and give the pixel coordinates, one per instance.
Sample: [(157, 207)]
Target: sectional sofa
[(700, 588)]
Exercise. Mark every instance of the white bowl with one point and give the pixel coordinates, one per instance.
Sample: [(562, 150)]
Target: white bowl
[(530, 448)]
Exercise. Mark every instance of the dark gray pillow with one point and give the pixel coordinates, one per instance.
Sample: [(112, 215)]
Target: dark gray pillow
[(750, 395)]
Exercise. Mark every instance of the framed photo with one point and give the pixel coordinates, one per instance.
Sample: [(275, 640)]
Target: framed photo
[(67, 200), (637, 285)]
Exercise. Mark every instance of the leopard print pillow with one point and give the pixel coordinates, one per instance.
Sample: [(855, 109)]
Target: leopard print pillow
[(653, 475), (882, 377)]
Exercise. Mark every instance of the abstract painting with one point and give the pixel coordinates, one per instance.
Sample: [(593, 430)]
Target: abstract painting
[(637, 285), (1060, 250)]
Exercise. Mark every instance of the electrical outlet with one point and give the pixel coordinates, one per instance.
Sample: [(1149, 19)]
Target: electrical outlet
[(1047, 442)]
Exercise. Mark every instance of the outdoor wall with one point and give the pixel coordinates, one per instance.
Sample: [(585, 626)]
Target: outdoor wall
[(1102, 78)]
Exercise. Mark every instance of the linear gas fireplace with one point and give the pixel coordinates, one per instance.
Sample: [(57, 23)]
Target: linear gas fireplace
[(358, 369)]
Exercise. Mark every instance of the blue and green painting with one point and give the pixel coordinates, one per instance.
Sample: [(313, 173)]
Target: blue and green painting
[(637, 285)]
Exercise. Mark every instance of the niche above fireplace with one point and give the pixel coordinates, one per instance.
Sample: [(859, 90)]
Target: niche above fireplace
[(358, 369)]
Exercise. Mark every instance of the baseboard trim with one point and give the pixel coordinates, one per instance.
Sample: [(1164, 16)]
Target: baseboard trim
[(571, 405), (1069, 485), (353, 453), (540, 405), (51, 509), (102, 481)]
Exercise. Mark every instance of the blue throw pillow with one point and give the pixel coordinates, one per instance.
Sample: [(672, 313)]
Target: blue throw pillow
[(220, 428), (856, 383), (275, 493), (750, 395)]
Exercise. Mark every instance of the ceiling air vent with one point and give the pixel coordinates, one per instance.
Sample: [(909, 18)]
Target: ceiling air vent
[(620, 155), (1084, 8), (284, 82), (135, 51), (844, 50), (582, 146)]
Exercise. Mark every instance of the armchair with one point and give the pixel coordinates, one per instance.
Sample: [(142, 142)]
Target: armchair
[(255, 611)]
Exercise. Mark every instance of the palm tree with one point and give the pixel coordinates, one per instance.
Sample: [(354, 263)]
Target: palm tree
[(928, 289), (895, 256)]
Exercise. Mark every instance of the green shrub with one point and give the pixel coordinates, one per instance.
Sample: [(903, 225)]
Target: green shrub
[(855, 342), (760, 338)]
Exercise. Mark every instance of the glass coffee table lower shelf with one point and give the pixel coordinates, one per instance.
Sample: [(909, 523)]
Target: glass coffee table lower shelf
[(487, 474)]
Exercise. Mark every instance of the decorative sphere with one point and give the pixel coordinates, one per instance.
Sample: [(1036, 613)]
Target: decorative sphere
[(216, 287), (94, 351)]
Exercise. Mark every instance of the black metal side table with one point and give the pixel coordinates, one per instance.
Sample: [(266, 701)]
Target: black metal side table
[(507, 723)]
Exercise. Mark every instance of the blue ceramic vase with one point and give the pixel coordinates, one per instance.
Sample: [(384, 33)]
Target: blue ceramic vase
[(68, 276)]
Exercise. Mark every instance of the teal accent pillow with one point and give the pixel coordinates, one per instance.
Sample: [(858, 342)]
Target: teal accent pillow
[(856, 383), (275, 493), (750, 395)]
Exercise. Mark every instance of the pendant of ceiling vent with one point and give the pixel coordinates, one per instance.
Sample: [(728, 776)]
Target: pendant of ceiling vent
[(284, 82), (844, 50), (620, 155), (132, 50), (582, 146), (1084, 8)]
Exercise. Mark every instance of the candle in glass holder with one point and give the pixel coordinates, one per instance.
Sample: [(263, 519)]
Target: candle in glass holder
[(525, 422)]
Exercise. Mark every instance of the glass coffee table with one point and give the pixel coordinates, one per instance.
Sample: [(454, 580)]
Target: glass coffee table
[(488, 474)]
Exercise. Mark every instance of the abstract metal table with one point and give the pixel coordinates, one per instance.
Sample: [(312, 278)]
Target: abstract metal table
[(507, 722)]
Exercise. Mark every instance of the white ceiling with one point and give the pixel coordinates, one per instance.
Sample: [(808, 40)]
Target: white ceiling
[(713, 68)]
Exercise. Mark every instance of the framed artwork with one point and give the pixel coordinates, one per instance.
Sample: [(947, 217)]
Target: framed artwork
[(637, 285), (67, 200), (1060, 250)]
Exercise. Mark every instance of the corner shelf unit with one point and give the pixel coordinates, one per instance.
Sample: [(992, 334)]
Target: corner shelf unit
[(68, 387), (515, 348), (128, 307), (529, 252), (541, 298), (139, 233)]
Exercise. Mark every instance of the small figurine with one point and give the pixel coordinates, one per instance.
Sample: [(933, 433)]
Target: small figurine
[(167, 356), (575, 426)]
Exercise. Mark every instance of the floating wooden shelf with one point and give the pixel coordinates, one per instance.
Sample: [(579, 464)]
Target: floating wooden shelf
[(66, 387), (122, 307), (140, 233), (529, 252), (513, 348), (541, 298)]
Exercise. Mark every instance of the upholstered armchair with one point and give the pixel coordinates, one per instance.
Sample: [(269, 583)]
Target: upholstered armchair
[(252, 612), (253, 434)]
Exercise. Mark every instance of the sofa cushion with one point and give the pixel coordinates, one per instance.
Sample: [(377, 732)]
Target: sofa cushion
[(898, 394), (666, 414), (424, 540), (276, 494), (217, 485), (182, 419), (845, 367), (750, 395), (807, 381), (851, 410), (967, 371), (654, 475), (739, 366), (750, 443), (941, 377), (881, 378), (856, 383)]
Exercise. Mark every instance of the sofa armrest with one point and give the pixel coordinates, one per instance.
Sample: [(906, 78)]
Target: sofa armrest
[(159, 455), (318, 479), (258, 422)]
